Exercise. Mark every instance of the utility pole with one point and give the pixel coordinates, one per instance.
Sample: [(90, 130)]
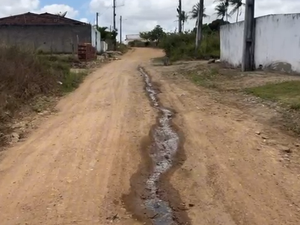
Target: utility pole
[(199, 24), (249, 37), (179, 10), (114, 24), (120, 29), (96, 34)]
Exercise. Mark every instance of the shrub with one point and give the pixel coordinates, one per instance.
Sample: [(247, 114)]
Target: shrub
[(24, 75), (182, 46), (122, 48)]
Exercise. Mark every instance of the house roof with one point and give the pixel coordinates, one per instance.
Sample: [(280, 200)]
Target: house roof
[(38, 19)]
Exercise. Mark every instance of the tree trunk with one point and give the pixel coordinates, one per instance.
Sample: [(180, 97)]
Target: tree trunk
[(237, 14)]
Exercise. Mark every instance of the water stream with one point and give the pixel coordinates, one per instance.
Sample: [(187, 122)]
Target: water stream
[(163, 149)]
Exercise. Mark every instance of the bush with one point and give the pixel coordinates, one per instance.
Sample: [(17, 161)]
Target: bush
[(137, 43), (24, 74), (122, 48), (182, 46)]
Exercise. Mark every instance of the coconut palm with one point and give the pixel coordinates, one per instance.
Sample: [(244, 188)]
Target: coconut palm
[(183, 17), (222, 11), (221, 7), (236, 4), (195, 9), (194, 12)]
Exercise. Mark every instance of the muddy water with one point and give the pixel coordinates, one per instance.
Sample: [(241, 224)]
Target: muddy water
[(163, 149)]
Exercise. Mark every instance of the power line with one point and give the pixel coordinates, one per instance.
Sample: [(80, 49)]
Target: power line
[(104, 11)]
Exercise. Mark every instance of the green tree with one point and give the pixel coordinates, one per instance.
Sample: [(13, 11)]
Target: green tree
[(216, 24), (155, 35), (107, 35), (236, 4), (104, 33), (145, 35)]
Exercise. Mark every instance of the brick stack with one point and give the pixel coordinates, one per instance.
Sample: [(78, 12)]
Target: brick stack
[(86, 52)]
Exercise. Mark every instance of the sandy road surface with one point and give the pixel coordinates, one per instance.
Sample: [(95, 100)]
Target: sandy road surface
[(75, 168), (230, 176)]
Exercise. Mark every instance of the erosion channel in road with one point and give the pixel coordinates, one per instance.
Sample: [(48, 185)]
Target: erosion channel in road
[(162, 148)]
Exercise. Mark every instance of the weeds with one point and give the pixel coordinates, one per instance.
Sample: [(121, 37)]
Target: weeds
[(24, 75), (122, 48), (205, 78), (72, 80)]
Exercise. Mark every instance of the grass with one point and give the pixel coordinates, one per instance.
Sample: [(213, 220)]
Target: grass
[(203, 78), (159, 61), (72, 81), (287, 93)]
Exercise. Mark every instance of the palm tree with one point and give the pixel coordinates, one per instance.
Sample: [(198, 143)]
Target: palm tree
[(236, 4), (222, 11), (224, 5), (183, 17), (195, 9)]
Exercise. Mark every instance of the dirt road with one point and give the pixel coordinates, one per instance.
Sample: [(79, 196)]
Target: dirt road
[(80, 164)]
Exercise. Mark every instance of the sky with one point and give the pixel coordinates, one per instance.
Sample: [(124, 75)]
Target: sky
[(138, 15)]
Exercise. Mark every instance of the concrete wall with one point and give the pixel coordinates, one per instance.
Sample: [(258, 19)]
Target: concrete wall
[(277, 42), (231, 39), (104, 46), (54, 38), (96, 44)]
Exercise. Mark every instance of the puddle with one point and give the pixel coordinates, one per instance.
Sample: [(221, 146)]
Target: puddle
[(163, 149)]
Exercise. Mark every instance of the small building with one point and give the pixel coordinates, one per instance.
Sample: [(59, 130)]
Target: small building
[(134, 40), (47, 33)]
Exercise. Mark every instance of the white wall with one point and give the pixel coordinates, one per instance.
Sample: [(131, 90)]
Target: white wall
[(231, 43), (104, 46), (93, 33), (277, 42)]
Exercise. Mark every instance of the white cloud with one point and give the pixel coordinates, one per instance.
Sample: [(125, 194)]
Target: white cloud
[(60, 8), (13, 7), (85, 20)]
